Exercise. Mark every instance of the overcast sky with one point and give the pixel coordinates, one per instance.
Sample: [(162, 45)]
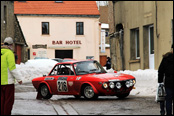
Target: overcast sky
[(102, 3)]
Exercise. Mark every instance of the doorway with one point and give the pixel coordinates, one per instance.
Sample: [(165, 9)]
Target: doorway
[(63, 54), (18, 52), (103, 60), (151, 47)]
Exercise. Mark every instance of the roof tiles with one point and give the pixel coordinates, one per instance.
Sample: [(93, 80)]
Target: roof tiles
[(51, 7)]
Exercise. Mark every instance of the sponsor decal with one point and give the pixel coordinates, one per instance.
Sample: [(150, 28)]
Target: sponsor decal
[(70, 83), (62, 78), (49, 78), (78, 78)]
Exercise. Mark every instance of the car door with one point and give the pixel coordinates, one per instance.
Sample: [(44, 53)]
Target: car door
[(65, 79)]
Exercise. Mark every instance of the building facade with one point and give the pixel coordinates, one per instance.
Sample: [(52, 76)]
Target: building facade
[(104, 47), (66, 29), (7, 19), (140, 32), (11, 28)]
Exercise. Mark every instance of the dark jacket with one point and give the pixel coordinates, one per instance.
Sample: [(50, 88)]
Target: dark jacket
[(166, 70), (108, 63)]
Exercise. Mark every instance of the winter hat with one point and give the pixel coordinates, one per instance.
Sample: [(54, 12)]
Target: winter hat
[(8, 40)]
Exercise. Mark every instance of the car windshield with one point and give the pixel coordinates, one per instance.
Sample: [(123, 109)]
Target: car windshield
[(87, 67)]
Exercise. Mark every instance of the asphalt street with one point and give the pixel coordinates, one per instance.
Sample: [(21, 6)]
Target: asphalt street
[(27, 104)]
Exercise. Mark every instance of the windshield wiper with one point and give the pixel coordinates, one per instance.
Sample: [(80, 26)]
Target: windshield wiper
[(96, 71), (93, 69)]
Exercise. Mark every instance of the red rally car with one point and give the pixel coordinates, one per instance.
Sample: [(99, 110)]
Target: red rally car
[(83, 78)]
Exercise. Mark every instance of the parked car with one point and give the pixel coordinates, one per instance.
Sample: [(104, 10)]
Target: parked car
[(63, 60), (41, 58), (58, 59), (68, 59), (83, 78)]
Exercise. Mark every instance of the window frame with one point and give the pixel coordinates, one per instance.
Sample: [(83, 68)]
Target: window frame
[(151, 39), (48, 28), (5, 14), (137, 43), (80, 28), (58, 1)]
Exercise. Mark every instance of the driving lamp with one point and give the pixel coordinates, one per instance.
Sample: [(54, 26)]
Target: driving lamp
[(131, 82), (118, 85), (127, 84), (111, 85), (105, 85)]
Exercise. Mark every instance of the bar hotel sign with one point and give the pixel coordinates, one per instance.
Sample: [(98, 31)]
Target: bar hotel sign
[(71, 42)]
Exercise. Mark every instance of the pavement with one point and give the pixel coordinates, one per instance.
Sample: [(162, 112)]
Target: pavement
[(27, 104)]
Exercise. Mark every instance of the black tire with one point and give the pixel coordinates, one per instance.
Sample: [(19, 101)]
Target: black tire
[(44, 92), (88, 93), (121, 96)]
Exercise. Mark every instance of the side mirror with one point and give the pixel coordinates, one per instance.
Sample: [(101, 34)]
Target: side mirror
[(115, 71)]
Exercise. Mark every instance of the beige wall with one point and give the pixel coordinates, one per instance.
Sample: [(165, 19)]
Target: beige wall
[(140, 14), (62, 29), (164, 25)]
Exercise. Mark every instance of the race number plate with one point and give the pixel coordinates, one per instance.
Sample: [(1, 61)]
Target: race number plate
[(62, 84)]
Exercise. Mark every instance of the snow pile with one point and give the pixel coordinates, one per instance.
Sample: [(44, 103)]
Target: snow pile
[(146, 80), (35, 68)]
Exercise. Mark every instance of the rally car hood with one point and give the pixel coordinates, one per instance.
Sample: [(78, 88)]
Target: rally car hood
[(114, 76)]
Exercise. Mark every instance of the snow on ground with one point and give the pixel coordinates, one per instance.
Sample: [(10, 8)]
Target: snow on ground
[(35, 68), (146, 80)]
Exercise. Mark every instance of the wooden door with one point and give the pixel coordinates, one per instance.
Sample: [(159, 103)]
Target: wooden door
[(103, 60), (18, 52)]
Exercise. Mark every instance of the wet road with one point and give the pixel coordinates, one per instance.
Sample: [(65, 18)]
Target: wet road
[(26, 104)]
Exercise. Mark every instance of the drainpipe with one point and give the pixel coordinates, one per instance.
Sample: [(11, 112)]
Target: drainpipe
[(121, 48), (157, 35)]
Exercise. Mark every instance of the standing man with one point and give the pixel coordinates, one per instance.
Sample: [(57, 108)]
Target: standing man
[(166, 71), (108, 63), (8, 76)]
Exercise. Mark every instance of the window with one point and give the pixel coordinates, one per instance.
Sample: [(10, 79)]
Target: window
[(62, 69), (79, 28), (151, 40), (59, 1), (134, 44), (137, 45), (45, 28), (5, 14)]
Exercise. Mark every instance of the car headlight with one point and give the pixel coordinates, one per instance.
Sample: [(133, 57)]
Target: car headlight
[(134, 82), (105, 85), (111, 85), (131, 82), (118, 85), (127, 84)]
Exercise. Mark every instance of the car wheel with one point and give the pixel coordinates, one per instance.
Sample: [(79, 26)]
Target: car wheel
[(44, 91), (89, 93), (121, 96)]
